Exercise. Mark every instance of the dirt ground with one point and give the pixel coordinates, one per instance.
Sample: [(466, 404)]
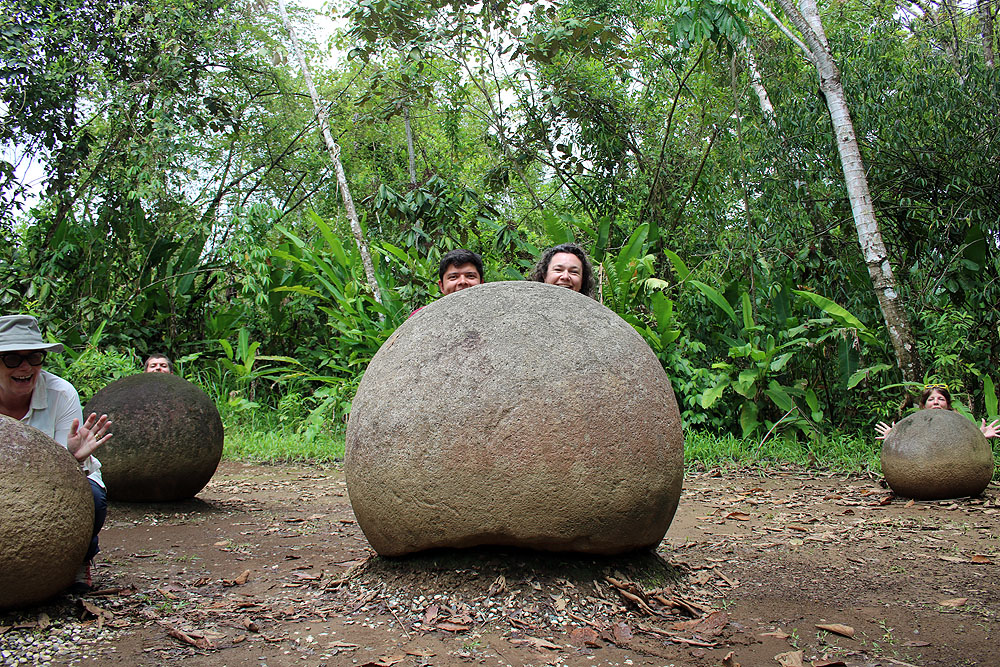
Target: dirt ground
[(267, 567)]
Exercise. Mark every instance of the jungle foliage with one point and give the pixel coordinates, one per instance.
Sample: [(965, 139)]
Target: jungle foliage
[(186, 203)]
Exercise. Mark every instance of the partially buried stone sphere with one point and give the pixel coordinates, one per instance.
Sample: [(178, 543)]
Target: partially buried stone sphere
[(517, 414), (46, 515), (936, 454), (167, 438)]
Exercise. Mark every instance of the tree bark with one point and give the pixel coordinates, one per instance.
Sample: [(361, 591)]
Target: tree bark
[(409, 146), (986, 28), (334, 149), (807, 20)]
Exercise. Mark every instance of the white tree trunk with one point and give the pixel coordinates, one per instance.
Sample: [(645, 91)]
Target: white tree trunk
[(409, 146), (334, 151), (757, 83), (807, 20), (986, 28)]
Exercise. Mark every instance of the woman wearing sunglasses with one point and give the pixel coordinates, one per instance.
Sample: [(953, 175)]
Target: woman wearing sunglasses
[(937, 397), (50, 404)]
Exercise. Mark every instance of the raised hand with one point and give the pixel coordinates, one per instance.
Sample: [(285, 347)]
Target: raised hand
[(883, 430), (84, 439), (990, 430)]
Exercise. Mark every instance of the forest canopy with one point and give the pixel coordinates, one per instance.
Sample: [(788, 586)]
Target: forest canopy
[(701, 152)]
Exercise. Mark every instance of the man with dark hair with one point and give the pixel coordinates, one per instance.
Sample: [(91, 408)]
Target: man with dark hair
[(157, 362), (460, 268)]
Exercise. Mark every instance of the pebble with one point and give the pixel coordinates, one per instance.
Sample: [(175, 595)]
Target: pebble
[(64, 643)]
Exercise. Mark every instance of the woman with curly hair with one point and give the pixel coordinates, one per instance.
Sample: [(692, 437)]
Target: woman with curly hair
[(566, 265), (936, 397)]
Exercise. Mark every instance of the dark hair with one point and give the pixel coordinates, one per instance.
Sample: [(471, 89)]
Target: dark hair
[(158, 355), (542, 267), (926, 393), (458, 257)]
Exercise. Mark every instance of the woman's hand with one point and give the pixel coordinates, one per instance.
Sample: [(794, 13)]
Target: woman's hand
[(883, 430), (84, 439), (990, 430)]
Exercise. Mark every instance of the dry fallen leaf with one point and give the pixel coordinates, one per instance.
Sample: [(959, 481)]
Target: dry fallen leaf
[(430, 614), (954, 602), (829, 663), (451, 627), (739, 516), (622, 633), (343, 645), (916, 644), (536, 642), (980, 559), (837, 629), (584, 637), (778, 634), (421, 652), (790, 659), (730, 661)]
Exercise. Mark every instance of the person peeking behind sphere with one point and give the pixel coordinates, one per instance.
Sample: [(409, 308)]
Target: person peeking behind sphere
[(936, 397), (565, 265), (158, 363)]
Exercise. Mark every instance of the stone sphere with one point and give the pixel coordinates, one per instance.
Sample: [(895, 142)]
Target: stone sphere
[(936, 454), (167, 438), (46, 515), (516, 414)]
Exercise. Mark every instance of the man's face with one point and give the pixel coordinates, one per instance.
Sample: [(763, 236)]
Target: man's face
[(157, 365), (459, 277)]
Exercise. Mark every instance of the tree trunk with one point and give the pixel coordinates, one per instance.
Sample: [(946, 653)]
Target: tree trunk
[(334, 150), (986, 28), (409, 146), (807, 21)]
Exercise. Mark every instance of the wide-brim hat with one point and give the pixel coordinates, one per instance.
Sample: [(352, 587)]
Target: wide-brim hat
[(21, 332)]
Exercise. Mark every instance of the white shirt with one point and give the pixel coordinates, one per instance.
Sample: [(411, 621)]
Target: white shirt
[(54, 406)]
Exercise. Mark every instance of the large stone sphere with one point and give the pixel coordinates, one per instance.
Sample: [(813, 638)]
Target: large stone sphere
[(517, 414), (46, 515), (936, 454), (167, 438)]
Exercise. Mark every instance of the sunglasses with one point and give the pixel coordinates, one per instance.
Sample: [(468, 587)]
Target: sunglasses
[(13, 359), (936, 386)]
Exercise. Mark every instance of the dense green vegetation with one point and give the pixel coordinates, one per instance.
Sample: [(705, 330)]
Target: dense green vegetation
[(189, 205)]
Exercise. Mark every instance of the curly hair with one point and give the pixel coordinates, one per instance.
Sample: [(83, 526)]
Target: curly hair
[(542, 267)]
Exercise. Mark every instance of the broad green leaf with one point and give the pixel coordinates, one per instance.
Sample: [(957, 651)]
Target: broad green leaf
[(831, 308), (748, 322), (990, 396), (748, 419), (679, 266), (717, 299), (711, 395), (779, 396), (863, 373)]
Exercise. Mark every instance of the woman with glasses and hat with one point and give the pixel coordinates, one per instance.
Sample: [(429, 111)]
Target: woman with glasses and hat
[(51, 404), (936, 397)]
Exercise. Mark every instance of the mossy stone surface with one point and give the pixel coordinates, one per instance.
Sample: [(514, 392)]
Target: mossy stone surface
[(46, 515), (167, 440), (935, 455), (514, 414)]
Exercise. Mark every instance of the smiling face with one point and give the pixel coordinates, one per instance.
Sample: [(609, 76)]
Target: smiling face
[(16, 384), (459, 277), (565, 269), (936, 400)]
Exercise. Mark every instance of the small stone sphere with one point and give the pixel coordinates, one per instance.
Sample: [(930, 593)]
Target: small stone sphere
[(936, 454), (167, 438), (46, 515), (514, 414)]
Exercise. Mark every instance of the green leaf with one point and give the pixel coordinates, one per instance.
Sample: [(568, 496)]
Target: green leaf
[(831, 308), (558, 232), (711, 395), (863, 373), (748, 322), (990, 396), (716, 298), (779, 396), (679, 267), (748, 419)]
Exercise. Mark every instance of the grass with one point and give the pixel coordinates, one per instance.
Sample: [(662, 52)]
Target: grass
[(281, 446), (844, 453)]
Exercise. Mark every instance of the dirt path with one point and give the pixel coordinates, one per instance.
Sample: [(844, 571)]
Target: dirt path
[(267, 567)]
